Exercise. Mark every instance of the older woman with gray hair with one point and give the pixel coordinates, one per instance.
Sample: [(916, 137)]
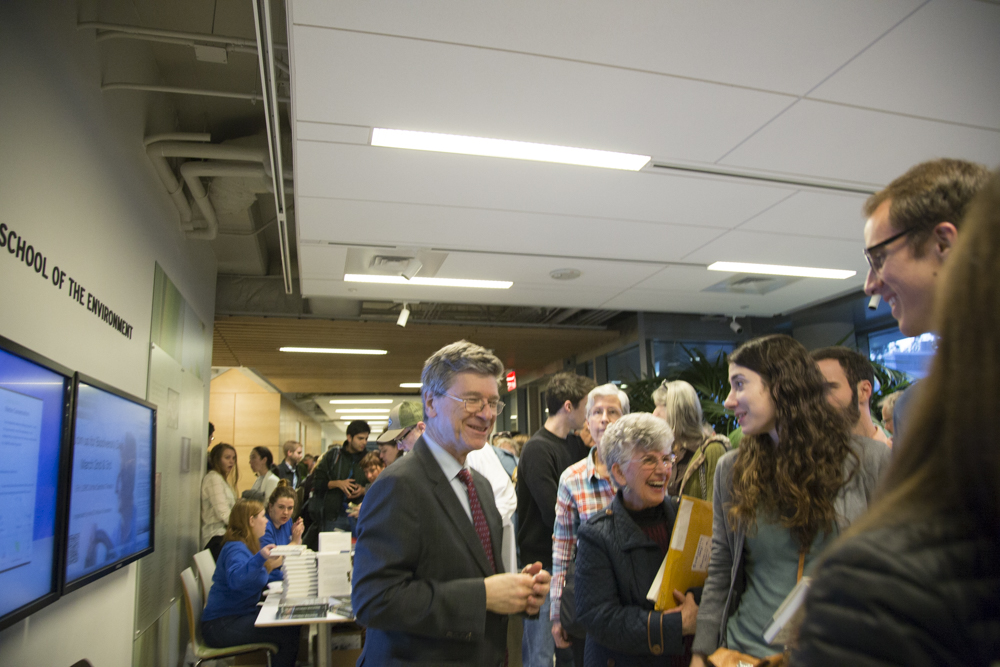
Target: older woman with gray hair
[(697, 449), (620, 551)]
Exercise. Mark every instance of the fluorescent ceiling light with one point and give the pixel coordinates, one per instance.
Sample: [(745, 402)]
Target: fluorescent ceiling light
[(778, 270), (519, 150), (430, 282), (411, 385), (330, 350), (364, 418), (360, 410), (361, 401)]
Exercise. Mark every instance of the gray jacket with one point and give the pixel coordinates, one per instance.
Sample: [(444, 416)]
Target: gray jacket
[(726, 578)]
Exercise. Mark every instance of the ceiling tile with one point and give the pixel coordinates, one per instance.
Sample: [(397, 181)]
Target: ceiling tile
[(784, 45), (766, 248), (364, 222), (940, 63), (818, 214), (394, 175), (382, 81), (831, 141)]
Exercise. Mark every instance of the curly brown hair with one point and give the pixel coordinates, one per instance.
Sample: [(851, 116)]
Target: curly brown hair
[(798, 480)]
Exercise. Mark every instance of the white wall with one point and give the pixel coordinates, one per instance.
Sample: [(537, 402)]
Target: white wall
[(75, 182)]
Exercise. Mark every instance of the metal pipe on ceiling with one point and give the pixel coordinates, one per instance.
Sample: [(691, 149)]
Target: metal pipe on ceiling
[(222, 158), (272, 117), (124, 85), (174, 34)]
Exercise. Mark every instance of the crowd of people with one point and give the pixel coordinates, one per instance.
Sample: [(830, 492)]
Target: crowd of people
[(896, 521)]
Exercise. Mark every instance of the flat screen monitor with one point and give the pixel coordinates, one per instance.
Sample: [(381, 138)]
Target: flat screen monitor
[(112, 466), (35, 396)]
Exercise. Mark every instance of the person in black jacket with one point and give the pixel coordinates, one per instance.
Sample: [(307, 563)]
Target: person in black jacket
[(917, 581), (338, 478), (620, 551), (545, 456)]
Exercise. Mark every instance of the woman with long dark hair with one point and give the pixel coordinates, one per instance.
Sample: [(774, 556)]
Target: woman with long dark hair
[(261, 462), (218, 495), (240, 575), (797, 480), (917, 581)]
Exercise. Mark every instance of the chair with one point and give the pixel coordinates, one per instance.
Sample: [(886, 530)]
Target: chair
[(192, 598), (205, 565)]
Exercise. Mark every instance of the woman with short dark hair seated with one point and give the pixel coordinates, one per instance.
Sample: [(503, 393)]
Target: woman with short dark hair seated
[(240, 576), (620, 551)]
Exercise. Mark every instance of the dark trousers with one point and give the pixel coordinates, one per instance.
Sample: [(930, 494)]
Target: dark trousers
[(577, 648), (214, 545), (235, 630)]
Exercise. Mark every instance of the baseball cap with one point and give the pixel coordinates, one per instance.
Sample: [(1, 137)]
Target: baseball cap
[(402, 417)]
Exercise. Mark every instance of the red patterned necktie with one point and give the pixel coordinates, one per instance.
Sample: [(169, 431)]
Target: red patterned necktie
[(478, 517)]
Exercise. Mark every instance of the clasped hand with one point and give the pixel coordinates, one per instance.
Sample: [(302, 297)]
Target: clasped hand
[(511, 593), (350, 488)]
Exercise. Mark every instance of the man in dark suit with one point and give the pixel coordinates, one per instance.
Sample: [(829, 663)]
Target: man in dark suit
[(289, 468), (428, 575)]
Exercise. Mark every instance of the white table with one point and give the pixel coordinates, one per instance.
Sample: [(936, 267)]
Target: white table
[(266, 617)]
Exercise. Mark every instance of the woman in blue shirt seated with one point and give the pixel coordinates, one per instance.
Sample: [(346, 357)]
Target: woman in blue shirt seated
[(240, 575), (281, 530)]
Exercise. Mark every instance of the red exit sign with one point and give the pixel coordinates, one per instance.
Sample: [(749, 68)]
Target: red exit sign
[(511, 381)]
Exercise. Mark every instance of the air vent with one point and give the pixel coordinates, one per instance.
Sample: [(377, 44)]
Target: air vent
[(748, 283)]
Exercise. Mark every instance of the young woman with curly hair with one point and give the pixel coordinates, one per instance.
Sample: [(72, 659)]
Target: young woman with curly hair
[(797, 480)]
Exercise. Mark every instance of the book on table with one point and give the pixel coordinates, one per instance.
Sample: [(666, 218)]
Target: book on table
[(686, 564)]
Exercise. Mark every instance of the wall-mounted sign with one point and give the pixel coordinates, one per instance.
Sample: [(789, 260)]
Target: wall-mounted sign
[(21, 251), (511, 381)]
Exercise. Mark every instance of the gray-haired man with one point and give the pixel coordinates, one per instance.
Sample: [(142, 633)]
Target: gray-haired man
[(428, 574)]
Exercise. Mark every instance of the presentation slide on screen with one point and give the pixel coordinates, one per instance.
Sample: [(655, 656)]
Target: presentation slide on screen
[(110, 492), (20, 444)]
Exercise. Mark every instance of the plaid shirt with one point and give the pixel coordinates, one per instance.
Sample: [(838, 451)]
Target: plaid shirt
[(582, 493)]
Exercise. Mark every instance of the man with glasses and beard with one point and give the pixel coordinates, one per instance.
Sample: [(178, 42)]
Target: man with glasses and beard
[(850, 382)]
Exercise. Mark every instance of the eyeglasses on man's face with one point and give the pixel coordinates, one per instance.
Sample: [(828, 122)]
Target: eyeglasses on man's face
[(877, 253), (474, 405)]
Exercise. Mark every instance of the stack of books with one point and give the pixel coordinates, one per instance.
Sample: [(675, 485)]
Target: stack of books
[(334, 574), (300, 577)]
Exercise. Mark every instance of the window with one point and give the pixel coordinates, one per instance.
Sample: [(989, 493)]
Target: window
[(912, 355), (669, 356), (623, 366)]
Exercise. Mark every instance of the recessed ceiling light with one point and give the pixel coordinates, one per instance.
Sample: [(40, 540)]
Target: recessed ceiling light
[(364, 418), (779, 270), (361, 401), (411, 385), (330, 350), (429, 282), (359, 410), (519, 150)]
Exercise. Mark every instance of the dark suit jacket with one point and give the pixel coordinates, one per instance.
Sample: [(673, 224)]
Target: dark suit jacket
[(285, 473), (419, 568)]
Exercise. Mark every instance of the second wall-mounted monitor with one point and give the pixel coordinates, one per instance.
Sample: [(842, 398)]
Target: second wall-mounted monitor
[(113, 460), (34, 419)]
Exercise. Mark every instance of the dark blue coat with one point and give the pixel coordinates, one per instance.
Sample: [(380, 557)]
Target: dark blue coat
[(615, 566)]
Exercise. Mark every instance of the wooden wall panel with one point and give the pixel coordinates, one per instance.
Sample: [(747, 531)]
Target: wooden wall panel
[(291, 418), (222, 414)]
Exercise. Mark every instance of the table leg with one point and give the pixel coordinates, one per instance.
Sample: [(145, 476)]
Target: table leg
[(322, 645)]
